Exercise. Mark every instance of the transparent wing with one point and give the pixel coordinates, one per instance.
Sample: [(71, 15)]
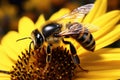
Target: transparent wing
[(92, 28), (74, 28), (77, 28), (77, 13)]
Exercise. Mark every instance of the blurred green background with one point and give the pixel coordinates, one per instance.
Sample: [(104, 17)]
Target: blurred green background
[(12, 10)]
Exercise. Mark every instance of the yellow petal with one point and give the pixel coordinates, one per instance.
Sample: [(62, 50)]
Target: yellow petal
[(105, 62), (9, 41), (23, 44), (13, 48), (102, 9), (110, 56), (98, 9), (108, 26), (26, 26), (101, 56), (4, 77), (106, 18), (10, 54), (40, 22), (99, 75), (108, 50), (5, 62), (108, 38)]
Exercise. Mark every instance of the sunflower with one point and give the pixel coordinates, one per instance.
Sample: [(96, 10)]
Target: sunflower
[(102, 64)]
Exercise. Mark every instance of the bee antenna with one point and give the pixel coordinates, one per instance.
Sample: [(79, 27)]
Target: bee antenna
[(6, 72), (23, 38)]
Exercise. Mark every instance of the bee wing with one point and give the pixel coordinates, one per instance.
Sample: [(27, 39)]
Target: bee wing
[(74, 16), (77, 13), (75, 28), (92, 28)]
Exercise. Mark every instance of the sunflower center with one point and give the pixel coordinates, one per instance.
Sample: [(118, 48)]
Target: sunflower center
[(33, 66)]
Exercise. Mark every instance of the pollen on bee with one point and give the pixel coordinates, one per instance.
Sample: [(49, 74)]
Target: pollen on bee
[(31, 66)]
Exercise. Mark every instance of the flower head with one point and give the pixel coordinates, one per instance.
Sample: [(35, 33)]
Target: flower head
[(103, 61)]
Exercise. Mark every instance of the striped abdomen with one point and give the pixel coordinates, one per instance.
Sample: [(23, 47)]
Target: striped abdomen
[(86, 40)]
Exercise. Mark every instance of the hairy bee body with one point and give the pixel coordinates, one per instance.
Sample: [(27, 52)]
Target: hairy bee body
[(86, 40), (81, 34)]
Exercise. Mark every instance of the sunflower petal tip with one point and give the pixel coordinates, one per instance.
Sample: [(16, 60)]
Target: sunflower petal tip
[(25, 25), (24, 18)]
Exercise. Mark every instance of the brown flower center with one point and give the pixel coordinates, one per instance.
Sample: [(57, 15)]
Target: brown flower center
[(33, 66)]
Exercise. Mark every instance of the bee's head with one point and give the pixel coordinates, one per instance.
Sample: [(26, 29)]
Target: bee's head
[(37, 38)]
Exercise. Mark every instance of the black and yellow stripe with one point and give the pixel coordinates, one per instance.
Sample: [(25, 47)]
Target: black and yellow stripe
[(86, 39)]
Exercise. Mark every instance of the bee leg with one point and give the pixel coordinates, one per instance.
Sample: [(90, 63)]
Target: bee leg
[(48, 58), (30, 47), (74, 55)]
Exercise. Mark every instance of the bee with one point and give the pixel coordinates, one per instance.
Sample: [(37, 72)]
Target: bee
[(55, 31)]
